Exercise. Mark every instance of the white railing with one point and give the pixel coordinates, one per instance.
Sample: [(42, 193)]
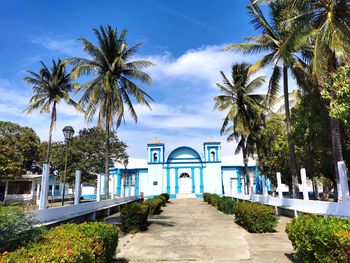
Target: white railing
[(71, 211), (341, 209)]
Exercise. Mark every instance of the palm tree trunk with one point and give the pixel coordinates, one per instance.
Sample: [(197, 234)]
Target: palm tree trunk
[(291, 149), (244, 152), (337, 152), (107, 158), (53, 119), (335, 134)]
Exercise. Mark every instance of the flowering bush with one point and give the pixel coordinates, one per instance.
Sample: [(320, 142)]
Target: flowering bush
[(255, 218), (320, 239), (88, 242)]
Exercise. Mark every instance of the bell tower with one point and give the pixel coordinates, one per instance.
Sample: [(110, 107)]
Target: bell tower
[(212, 151), (155, 152)]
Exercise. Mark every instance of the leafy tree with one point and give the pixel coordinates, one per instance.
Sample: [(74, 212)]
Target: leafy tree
[(242, 104), (50, 85), (86, 153), (19, 148), (337, 91), (112, 84), (274, 42)]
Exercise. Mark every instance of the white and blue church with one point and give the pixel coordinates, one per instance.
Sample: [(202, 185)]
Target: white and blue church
[(182, 172)]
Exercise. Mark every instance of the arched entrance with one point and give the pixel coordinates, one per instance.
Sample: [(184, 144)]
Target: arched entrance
[(185, 183)]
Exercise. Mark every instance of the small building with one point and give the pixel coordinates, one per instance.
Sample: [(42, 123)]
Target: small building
[(183, 171), (26, 189)]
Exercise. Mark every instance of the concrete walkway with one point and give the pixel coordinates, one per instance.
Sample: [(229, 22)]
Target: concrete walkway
[(191, 230)]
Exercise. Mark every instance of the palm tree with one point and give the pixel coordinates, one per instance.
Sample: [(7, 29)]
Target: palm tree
[(243, 106), (112, 83), (275, 43), (50, 85), (329, 25)]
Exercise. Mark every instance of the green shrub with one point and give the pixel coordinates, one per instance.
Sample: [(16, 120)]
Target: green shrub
[(134, 217), (255, 218), (17, 229), (226, 204), (155, 205), (89, 242), (320, 239), (163, 198), (167, 196), (213, 199), (206, 197)]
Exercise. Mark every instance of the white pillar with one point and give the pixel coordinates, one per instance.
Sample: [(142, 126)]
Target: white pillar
[(304, 183), (251, 185), (343, 195), (98, 191), (264, 189), (37, 193), (279, 184), (77, 187), (44, 187), (113, 186), (122, 187)]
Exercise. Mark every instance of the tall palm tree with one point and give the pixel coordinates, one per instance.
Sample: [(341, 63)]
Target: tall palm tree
[(50, 85), (328, 22), (112, 85), (275, 42), (242, 104)]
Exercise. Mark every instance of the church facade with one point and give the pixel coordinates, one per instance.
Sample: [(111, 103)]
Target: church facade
[(183, 171)]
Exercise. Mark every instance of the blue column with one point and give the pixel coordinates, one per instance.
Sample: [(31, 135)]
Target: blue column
[(168, 180), (239, 185), (257, 181), (176, 180), (193, 181), (137, 183), (119, 182), (201, 186), (103, 183), (217, 154)]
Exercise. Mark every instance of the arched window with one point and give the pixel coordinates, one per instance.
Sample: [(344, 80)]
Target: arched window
[(185, 175), (212, 154), (155, 157)]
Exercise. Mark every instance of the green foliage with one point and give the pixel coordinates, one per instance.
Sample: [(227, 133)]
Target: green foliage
[(17, 229), (167, 196), (19, 148), (86, 153), (320, 239), (155, 204), (255, 218), (212, 199), (134, 217), (88, 242), (337, 91), (226, 205), (51, 86)]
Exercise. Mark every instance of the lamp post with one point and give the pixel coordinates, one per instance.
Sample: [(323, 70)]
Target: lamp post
[(68, 133), (126, 162)]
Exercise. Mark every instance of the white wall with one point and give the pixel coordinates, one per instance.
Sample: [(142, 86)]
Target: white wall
[(212, 178)]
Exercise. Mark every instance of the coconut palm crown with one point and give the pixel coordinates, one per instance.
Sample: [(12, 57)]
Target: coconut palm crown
[(50, 85), (112, 85)]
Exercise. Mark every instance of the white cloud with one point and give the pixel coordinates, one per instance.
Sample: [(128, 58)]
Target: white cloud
[(70, 47)]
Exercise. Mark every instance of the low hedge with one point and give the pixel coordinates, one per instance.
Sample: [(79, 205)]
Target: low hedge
[(17, 229), (88, 242), (155, 204), (167, 196), (211, 198), (226, 204), (134, 217), (320, 239), (255, 218)]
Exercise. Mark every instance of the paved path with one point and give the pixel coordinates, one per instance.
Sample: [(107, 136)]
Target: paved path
[(191, 230)]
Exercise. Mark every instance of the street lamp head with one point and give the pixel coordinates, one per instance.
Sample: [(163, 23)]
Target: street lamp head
[(126, 162), (68, 132)]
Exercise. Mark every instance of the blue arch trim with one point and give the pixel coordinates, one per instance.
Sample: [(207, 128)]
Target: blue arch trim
[(196, 154), (193, 181)]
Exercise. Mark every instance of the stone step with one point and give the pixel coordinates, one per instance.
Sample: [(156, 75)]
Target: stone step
[(185, 196)]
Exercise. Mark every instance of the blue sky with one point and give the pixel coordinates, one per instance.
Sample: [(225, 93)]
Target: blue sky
[(183, 38)]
